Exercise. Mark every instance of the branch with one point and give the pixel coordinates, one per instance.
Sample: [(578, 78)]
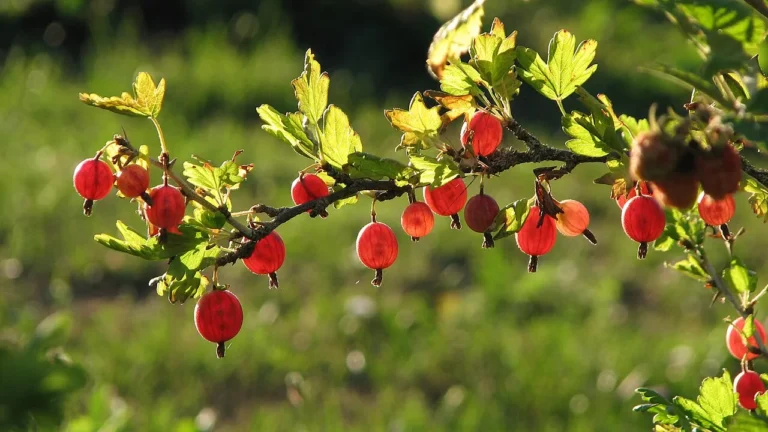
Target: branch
[(760, 175), (759, 5)]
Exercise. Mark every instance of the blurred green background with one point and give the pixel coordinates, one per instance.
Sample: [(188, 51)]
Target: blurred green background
[(458, 338)]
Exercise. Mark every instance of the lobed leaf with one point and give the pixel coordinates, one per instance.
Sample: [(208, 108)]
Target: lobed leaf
[(148, 99), (739, 276), (454, 38), (366, 165), (512, 217), (420, 125), (434, 172), (311, 89), (288, 129), (338, 139)]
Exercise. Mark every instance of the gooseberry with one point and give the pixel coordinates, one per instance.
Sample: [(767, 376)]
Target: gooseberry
[(480, 212), (417, 220), (486, 132), (168, 206), (716, 212), (534, 239), (377, 248), (632, 192), (719, 171), (734, 339), (133, 181), (677, 190), (93, 180), (267, 257), (574, 220), (218, 318), (309, 187), (643, 221), (748, 384), (447, 200)]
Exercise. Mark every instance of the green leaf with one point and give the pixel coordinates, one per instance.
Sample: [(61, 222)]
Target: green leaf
[(749, 328), (457, 106), (206, 218), (288, 129), (148, 99), (762, 57), (744, 421), (338, 139), (461, 78), (311, 89), (346, 201), (454, 38), (667, 240), (183, 278), (567, 67), (214, 179), (434, 172), (762, 402), (758, 200), (420, 125), (136, 244), (739, 276), (585, 137), (493, 55), (665, 412), (690, 267), (366, 165), (715, 404), (512, 217), (688, 80)]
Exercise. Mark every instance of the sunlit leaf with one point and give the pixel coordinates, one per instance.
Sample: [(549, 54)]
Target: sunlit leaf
[(434, 172), (338, 139), (715, 404), (147, 102), (512, 217), (690, 267), (454, 38), (366, 165), (460, 79), (758, 199), (457, 106), (420, 125), (311, 89), (287, 129), (739, 277)]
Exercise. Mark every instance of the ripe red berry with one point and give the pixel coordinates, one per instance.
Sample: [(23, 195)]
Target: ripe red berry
[(536, 240), (632, 192), (93, 180), (734, 339), (133, 181), (748, 384), (417, 220), (308, 187), (719, 171), (574, 220), (377, 248), (487, 133), (677, 190), (651, 157), (168, 206), (480, 212), (267, 257), (643, 221), (447, 200), (218, 318), (716, 212)]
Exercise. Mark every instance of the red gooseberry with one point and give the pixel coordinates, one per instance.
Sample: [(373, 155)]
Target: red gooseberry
[(632, 192), (168, 206), (447, 200), (308, 187), (377, 248), (719, 171), (267, 257), (643, 221), (734, 339), (574, 220), (748, 384), (485, 131), (716, 212), (537, 236), (678, 190), (218, 318), (480, 212), (417, 220), (93, 180), (133, 181)]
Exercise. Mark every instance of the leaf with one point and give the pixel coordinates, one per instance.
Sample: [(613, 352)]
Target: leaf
[(420, 125), (690, 267), (762, 402), (136, 244), (434, 172), (665, 413), (460, 79), (214, 179), (585, 137), (567, 67), (739, 276), (762, 57), (749, 328), (758, 200), (338, 139), (183, 278), (744, 421), (493, 56), (366, 165), (148, 99), (311, 89), (688, 80), (457, 106), (715, 404), (287, 129), (512, 217), (346, 201), (454, 38)]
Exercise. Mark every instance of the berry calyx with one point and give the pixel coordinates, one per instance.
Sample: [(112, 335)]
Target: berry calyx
[(447, 200), (377, 248), (621, 200), (485, 131), (267, 257), (643, 221), (574, 220), (736, 343), (167, 209), (218, 318), (719, 171), (677, 190), (133, 181), (93, 179), (309, 187), (417, 220), (480, 212), (534, 239), (716, 212), (748, 384)]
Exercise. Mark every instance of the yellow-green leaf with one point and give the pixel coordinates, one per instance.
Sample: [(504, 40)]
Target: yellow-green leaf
[(454, 38), (420, 125), (512, 217), (287, 129), (567, 67), (433, 171), (758, 199), (338, 139), (461, 78), (311, 89), (457, 106), (148, 100)]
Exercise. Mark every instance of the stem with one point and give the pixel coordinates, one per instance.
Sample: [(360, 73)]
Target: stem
[(163, 146), (560, 105), (759, 5)]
